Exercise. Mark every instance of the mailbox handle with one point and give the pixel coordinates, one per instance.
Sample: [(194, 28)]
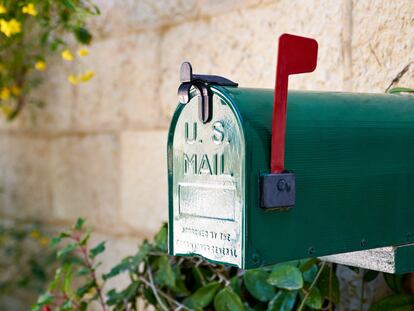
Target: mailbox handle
[(201, 84), (295, 55)]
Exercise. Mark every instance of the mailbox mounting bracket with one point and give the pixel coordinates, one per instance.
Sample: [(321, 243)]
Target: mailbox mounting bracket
[(200, 83), (295, 55)]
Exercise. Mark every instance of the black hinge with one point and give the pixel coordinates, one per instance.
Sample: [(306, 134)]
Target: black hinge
[(200, 83)]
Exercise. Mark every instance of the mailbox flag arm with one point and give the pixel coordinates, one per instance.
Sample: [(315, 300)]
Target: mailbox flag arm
[(295, 55)]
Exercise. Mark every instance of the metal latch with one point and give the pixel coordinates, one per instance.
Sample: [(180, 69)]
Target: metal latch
[(200, 83)]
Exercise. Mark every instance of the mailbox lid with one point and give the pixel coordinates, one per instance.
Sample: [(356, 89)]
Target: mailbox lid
[(352, 155), (206, 171)]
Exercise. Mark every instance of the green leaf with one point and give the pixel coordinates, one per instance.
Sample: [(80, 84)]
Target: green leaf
[(84, 289), (45, 299), (67, 306), (394, 282), (119, 268), (83, 271), (67, 280), (203, 296), (399, 302), (82, 35), (286, 276), (307, 264), (161, 238), (85, 238), (57, 239), (370, 275), (397, 90), (66, 250), (98, 249), (314, 299), (325, 284), (310, 274), (227, 300), (79, 224), (235, 284), (165, 275), (257, 285), (69, 4), (283, 301), (180, 289)]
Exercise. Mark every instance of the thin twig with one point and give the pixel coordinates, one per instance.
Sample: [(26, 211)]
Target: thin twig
[(90, 265), (309, 290), (361, 301), (154, 290), (398, 77), (330, 286)]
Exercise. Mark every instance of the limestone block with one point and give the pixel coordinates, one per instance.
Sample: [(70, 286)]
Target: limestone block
[(242, 46), (382, 43), (123, 91), (216, 7), (85, 175), (25, 186), (144, 180), (126, 16)]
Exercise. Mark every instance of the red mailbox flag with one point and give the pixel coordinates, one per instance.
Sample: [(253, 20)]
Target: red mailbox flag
[(295, 55)]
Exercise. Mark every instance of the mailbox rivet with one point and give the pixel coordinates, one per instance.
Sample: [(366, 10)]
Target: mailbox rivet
[(311, 250), (281, 185), (255, 258), (408, 235), (364, 242)]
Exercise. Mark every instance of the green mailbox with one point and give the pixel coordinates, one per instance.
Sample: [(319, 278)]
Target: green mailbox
[(347, 187)]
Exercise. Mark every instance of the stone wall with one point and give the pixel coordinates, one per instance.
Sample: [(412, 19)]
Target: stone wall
[(98, 150)]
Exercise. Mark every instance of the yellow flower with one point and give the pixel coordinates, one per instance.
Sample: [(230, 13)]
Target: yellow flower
[(40, 65), (10, 28), (73, 79), (83, 52), (16, 91), (5, 93), (3, 9), (35, 234), (67, 55), (29, 9), (6, 110), (87, 76), (44, 241)]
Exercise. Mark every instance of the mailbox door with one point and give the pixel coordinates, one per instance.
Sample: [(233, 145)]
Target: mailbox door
[(206, 181)]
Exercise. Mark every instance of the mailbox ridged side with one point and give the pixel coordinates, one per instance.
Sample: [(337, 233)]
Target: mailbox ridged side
[(353, 158)]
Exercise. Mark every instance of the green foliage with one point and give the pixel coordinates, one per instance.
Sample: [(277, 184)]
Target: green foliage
[(399, 302), (286, 276), (80, 269), (26, 262), (169, 283), (397, 90), (30, 31), (192, 283), (258, 286)]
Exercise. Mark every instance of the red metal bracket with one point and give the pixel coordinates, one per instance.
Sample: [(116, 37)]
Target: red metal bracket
[(295, 55)]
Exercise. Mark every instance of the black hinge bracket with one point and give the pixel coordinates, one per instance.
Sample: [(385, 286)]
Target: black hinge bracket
[(277, 191), (200, 83)]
